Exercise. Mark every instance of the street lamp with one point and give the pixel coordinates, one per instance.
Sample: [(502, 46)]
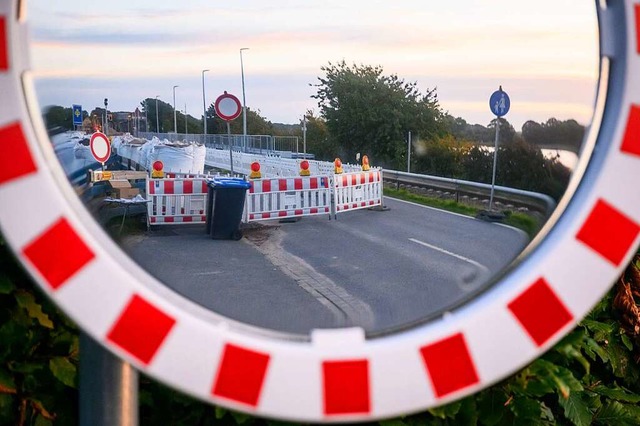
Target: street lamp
[(175, 117), (204, 105), (244, 101), (186, 130), (106, 123), (157, 121)]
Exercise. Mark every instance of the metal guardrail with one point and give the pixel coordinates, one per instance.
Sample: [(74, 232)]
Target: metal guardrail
[(532, 200)]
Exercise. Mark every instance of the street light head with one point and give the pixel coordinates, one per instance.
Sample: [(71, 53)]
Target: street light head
[(244, 48), (203, 71)]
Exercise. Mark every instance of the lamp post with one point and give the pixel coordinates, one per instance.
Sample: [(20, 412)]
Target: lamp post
[(106, 123), (244, 102), (186, 130), (175, 117), (204, 106), (157, 120)]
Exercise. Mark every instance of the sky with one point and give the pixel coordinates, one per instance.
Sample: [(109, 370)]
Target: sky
[(544, 53)]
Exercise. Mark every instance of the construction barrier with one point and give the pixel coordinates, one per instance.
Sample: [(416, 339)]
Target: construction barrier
[(179, 200), (288, 197), (357, 190)]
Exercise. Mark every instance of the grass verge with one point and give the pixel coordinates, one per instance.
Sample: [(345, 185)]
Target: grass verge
[(528, 224)]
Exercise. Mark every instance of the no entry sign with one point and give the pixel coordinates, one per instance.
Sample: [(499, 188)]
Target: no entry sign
[(228, 107), (100, 147)]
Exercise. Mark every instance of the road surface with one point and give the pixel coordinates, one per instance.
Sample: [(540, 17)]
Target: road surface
[(379, 270)]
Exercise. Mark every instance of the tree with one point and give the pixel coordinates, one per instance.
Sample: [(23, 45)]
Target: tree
[(256, 123), (507, 132), (370, 113), (58, 116)]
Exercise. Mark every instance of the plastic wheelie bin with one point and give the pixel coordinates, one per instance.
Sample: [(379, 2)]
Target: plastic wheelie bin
[(225, 205)]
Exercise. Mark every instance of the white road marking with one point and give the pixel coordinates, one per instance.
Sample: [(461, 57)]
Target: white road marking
[(457, 256)]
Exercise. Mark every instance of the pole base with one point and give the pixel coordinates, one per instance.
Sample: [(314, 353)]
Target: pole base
[(491, 216)]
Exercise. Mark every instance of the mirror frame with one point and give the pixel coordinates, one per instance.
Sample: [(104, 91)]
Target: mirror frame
[(338, 374)]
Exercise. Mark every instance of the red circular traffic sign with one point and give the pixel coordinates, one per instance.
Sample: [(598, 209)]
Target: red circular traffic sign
[(228, 107), (100, 147)]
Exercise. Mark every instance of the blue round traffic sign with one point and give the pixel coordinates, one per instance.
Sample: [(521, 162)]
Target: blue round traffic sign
[(499, 103)]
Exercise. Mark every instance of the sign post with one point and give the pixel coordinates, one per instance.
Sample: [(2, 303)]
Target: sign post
[(228, 108), (499, 104)]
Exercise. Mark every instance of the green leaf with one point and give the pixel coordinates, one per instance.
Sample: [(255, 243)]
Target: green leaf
[(63, 370), (392, 422), (593, 348), (450, 410), (626, 341), (240, 418), (617, 393), (527, 410), (546, 414), (615, 413), (575, 409), (601, 330), (220, 412), (28, 302), (491, 405), (7, 384), (6, 286)]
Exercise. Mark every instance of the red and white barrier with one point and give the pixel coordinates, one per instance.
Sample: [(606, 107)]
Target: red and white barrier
[(291, 197), (180, 200), (359, 190)]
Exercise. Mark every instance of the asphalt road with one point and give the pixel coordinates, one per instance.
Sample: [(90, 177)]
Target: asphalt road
[(376, 269)]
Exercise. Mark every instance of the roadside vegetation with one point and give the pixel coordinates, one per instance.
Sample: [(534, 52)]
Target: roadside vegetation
[(530, 224)]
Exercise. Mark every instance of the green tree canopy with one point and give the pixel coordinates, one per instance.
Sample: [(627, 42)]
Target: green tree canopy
[(369, 112)]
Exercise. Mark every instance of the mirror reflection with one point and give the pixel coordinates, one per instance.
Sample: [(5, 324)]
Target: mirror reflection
[(319, 164)]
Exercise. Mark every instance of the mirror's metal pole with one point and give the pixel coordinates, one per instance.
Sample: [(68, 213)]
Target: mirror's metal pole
[(108, 387)]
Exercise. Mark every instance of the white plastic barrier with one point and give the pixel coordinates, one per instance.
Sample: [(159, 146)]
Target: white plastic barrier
[(181, 200), (288, 197), (359, 190)]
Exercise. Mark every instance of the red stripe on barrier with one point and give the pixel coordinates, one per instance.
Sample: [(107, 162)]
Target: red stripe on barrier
[(203, 218), (4, 45), (252, 216), (298, 212), (205, 187), (631, 141), (252, 188), (168, 187), (241, 375), (266, 215), (540, 312), (314, 211), (346, 387), (608, 232), (266, 186), (152, 187), (282, 214), (449, 365), (345, 182), (282, 184), (297, 184), (58, 253), (313, 183), (141, 329), (168, 219), (187, 187), (15, 157), (371, 176), (187, 219)]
